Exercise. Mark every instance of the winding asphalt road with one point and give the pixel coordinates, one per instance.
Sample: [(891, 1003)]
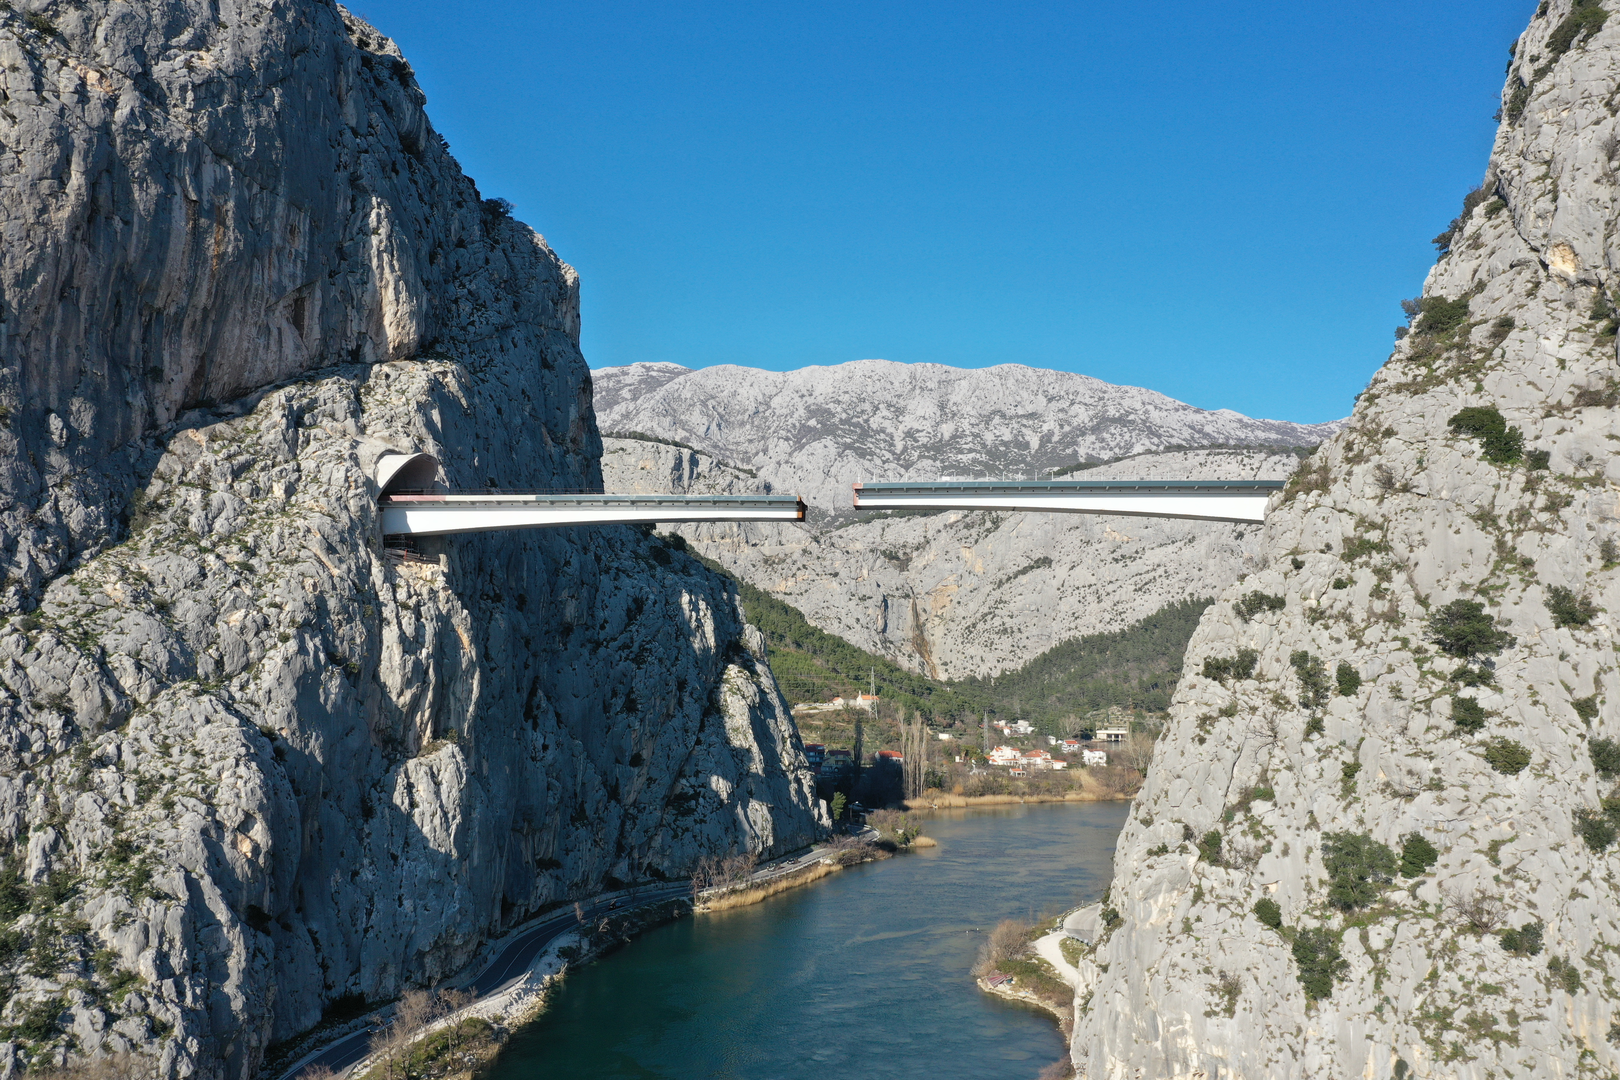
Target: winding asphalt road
[(515, 957), (509, 965)]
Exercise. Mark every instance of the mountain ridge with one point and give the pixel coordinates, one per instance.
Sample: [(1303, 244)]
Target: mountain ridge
[(815, 430)]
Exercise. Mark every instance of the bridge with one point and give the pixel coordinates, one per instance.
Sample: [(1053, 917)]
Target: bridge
[(410, 508), (1242, 501)]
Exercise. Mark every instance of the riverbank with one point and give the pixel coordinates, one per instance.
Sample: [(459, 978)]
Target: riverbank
[(878, 955), (838, 858), (943, 801), (457, 1031)]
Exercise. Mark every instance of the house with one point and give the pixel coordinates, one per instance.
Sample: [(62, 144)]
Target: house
[(1004, 755), (943, 736), (867, 702), (1113, 734), (815, 753), (889, 757), (1051, 740), (1016, 771), (1093, 757), (1071, 745)]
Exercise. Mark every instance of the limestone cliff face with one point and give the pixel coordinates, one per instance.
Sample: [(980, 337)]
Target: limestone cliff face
[(1392, 521), (249, 761)]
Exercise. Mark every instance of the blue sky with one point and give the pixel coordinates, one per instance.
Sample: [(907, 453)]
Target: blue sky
[(1224, 202)]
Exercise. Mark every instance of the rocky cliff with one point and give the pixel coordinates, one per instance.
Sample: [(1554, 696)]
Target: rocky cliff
[(1378, 836), (251, 762)]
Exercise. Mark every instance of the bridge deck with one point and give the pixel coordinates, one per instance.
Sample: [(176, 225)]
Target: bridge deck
[(1241, 501), (436, 515)]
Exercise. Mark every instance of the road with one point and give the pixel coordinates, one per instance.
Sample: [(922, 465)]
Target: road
[(508, 966), (515, 957)]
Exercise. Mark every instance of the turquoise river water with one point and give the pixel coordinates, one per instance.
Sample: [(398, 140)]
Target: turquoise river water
[(860, 976)]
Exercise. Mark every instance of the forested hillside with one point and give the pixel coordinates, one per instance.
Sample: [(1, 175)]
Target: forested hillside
[(1135, 668)]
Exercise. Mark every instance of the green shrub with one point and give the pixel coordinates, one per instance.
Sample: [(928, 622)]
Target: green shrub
[(1564, 973), (1567, 609), (1348, 678), (40, 24), (1442, 243), (1347, 778), (1437, 315), (1595, 829), (1209, 848), (1267, 911), (1507, 757), (1463, 629), (1500, 444), (1526, 940), (1609, 552), (1467, 714), (1253, 603), (1356, 547), (14, 894), (1358, 868), (1313, 680), (1314, 726), (1464, 675), (1538, 460), (1222, 668), (1417, 855), (1605, 756), (1586, 708), (1316, 951), (1343, 582), (1587, 19), (38, 1021)]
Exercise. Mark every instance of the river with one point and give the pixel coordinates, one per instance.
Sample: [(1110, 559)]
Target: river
[(860, 976)]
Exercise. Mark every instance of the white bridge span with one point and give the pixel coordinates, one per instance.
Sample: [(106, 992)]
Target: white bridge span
[(1241, 501), (411, 508)]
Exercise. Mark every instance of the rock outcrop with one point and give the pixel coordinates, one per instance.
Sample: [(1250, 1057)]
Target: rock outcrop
[(962, 594), (251, 762), (1437, 664)]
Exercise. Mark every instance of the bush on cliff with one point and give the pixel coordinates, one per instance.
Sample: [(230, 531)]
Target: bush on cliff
[(1313, 679), (1417, 855), (1253, 603), (1605, 756), (1569, 609), (1348, 679), (1499, 444), (1316, 951), (1268, 912), (1222, 668), (1467, 714), (1463, 629), (1358, 868)]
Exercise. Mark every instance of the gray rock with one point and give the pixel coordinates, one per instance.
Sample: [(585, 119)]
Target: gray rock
[(1408, 516), (252, 760)]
